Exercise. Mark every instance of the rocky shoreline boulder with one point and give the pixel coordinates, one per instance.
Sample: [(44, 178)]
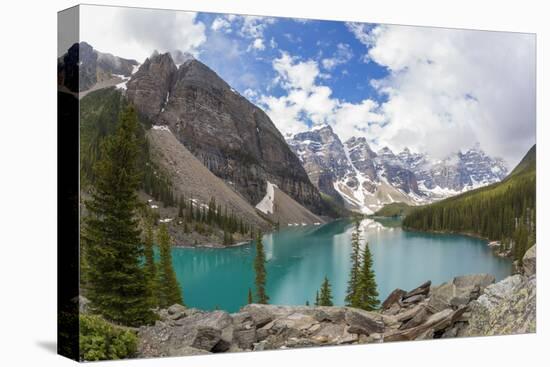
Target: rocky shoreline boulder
[(465, 306), (530, 261), (458, 292), (507, 307)]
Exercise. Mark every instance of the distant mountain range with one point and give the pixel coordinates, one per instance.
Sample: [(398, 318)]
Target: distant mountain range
[(238, 143), (504, 212), (366, 180)]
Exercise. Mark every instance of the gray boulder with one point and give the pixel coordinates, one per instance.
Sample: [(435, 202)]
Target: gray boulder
[(207, 331), (393, 298), (363, 322), (175, 312), (458, 292), (530, 261), (205, 338), (245, 339), (433, 323), (422, 289), (261, 314), (332, 314), (419, 317), (506, 307), (414, 299)]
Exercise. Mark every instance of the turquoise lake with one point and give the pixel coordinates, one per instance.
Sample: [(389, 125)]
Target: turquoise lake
[(298, 258)]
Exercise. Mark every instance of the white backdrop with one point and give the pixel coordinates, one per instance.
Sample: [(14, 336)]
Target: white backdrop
[(28, 183)]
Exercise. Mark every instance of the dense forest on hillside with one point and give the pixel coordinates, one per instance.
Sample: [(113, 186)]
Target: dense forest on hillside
[(98, 120), (505, 211), (394, 210), (99, 116)]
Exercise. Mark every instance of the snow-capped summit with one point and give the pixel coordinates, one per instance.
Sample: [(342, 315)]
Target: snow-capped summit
[(366, 180)]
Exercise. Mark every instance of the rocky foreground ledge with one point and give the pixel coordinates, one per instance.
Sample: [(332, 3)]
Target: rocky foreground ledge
[(471, 305)]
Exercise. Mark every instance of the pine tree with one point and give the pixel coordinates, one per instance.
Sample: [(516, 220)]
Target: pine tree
[(169, 288), (355, 258), (325, 296), (150, 266), (180, 208), (250, 300), (317, 298), (116, 281), (307, 302), (367, 294), (261, 275)]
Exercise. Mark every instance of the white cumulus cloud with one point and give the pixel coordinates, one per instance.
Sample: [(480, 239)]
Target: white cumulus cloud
[(254, 26), (257, 44), (308, 102), (221, 23), (342, 55), (448, 89), (136, 32)]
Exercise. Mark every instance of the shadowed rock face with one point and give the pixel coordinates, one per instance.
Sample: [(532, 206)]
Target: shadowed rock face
[(151, 84), (232, 137), (322, 155), (76, 69), (82, 67)]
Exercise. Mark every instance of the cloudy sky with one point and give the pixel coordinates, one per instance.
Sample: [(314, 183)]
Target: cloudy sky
[(430, 89)]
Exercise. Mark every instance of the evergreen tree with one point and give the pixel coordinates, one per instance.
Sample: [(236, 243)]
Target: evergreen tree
[(250, 300), (180, 208), (367, 294), (169, 288), (307, 302), (150, 266), (317, 298), (261, 275), (116, 281), (325, 296), (504, 212), (352, 298)]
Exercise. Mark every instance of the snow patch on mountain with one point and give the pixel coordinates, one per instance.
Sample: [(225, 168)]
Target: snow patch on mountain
[(125, 79), (266, 204), (367, 180), (358, 192), (161, 127)]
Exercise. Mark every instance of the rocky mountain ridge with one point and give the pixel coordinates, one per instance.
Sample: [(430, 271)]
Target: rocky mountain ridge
[(233, 138), (192, 179), (82, 68), (366, 180)]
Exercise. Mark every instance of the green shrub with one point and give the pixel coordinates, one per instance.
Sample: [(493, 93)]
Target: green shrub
[(100, 340)]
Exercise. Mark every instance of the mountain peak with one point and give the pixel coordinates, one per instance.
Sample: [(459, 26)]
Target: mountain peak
[(235, 139), (322, 127), (182, 57), (386, 151), (157, 57), (354, 140)]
